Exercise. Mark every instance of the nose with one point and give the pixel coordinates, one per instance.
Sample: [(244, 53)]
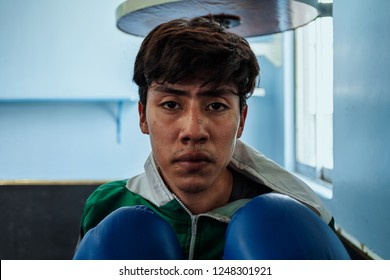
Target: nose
[(194, 126)]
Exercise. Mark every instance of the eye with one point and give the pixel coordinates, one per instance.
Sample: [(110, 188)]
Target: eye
[(217, 106), (170, 105)]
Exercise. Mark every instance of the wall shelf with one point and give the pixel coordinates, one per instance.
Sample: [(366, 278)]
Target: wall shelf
[(118, 101)]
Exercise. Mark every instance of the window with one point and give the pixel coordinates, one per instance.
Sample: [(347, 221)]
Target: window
[(314, 99)]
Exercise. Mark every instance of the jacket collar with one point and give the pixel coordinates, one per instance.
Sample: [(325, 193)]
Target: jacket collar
[(246, 161)]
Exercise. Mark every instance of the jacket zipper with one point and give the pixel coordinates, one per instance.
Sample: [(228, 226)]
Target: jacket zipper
[(194, 226), (194, 221)]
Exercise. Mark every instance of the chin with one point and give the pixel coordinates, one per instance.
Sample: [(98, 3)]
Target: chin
[(192, 187)]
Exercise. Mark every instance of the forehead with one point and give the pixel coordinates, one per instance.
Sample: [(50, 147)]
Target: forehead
[(194, 87)]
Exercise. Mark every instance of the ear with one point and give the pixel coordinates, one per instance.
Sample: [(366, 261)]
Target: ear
[(242, 121), (143, 124)]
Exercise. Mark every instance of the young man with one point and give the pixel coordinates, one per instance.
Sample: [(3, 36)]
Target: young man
[(194, 78)]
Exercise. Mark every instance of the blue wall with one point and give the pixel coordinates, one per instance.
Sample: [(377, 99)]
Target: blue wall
[(63, 49), (64, 68), (265, 126), (70, 141), (361, 189)]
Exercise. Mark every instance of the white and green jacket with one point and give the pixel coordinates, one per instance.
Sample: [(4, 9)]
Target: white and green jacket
[(201, 236)]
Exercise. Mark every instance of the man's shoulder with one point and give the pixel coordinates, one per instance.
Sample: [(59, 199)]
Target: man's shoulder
[(105, 199), (107, 190), (259, 168), (113, 190)]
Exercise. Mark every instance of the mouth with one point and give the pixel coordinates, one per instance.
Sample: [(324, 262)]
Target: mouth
[(193, 162)]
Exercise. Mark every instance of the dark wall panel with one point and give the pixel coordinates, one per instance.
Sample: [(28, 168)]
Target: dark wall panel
[(40, 221)]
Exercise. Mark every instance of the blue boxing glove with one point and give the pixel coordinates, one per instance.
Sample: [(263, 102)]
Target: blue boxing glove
[(276, 227), (130, 233)]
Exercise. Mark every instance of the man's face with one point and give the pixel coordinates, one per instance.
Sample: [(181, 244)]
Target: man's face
[(193, 130)]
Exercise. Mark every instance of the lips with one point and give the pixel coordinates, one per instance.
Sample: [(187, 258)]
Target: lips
[(193, 157), (193, 161)]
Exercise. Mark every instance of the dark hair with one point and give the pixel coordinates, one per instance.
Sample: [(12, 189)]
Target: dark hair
[(184, 48)]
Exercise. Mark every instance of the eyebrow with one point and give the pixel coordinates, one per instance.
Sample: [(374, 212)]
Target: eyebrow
[(209, 92)]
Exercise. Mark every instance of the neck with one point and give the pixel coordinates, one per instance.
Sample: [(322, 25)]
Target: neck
[(208, 199)]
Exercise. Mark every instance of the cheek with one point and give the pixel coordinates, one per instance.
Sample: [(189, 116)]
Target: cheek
[(159, 145), (229, 128), (161, 136), (226, 135)]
